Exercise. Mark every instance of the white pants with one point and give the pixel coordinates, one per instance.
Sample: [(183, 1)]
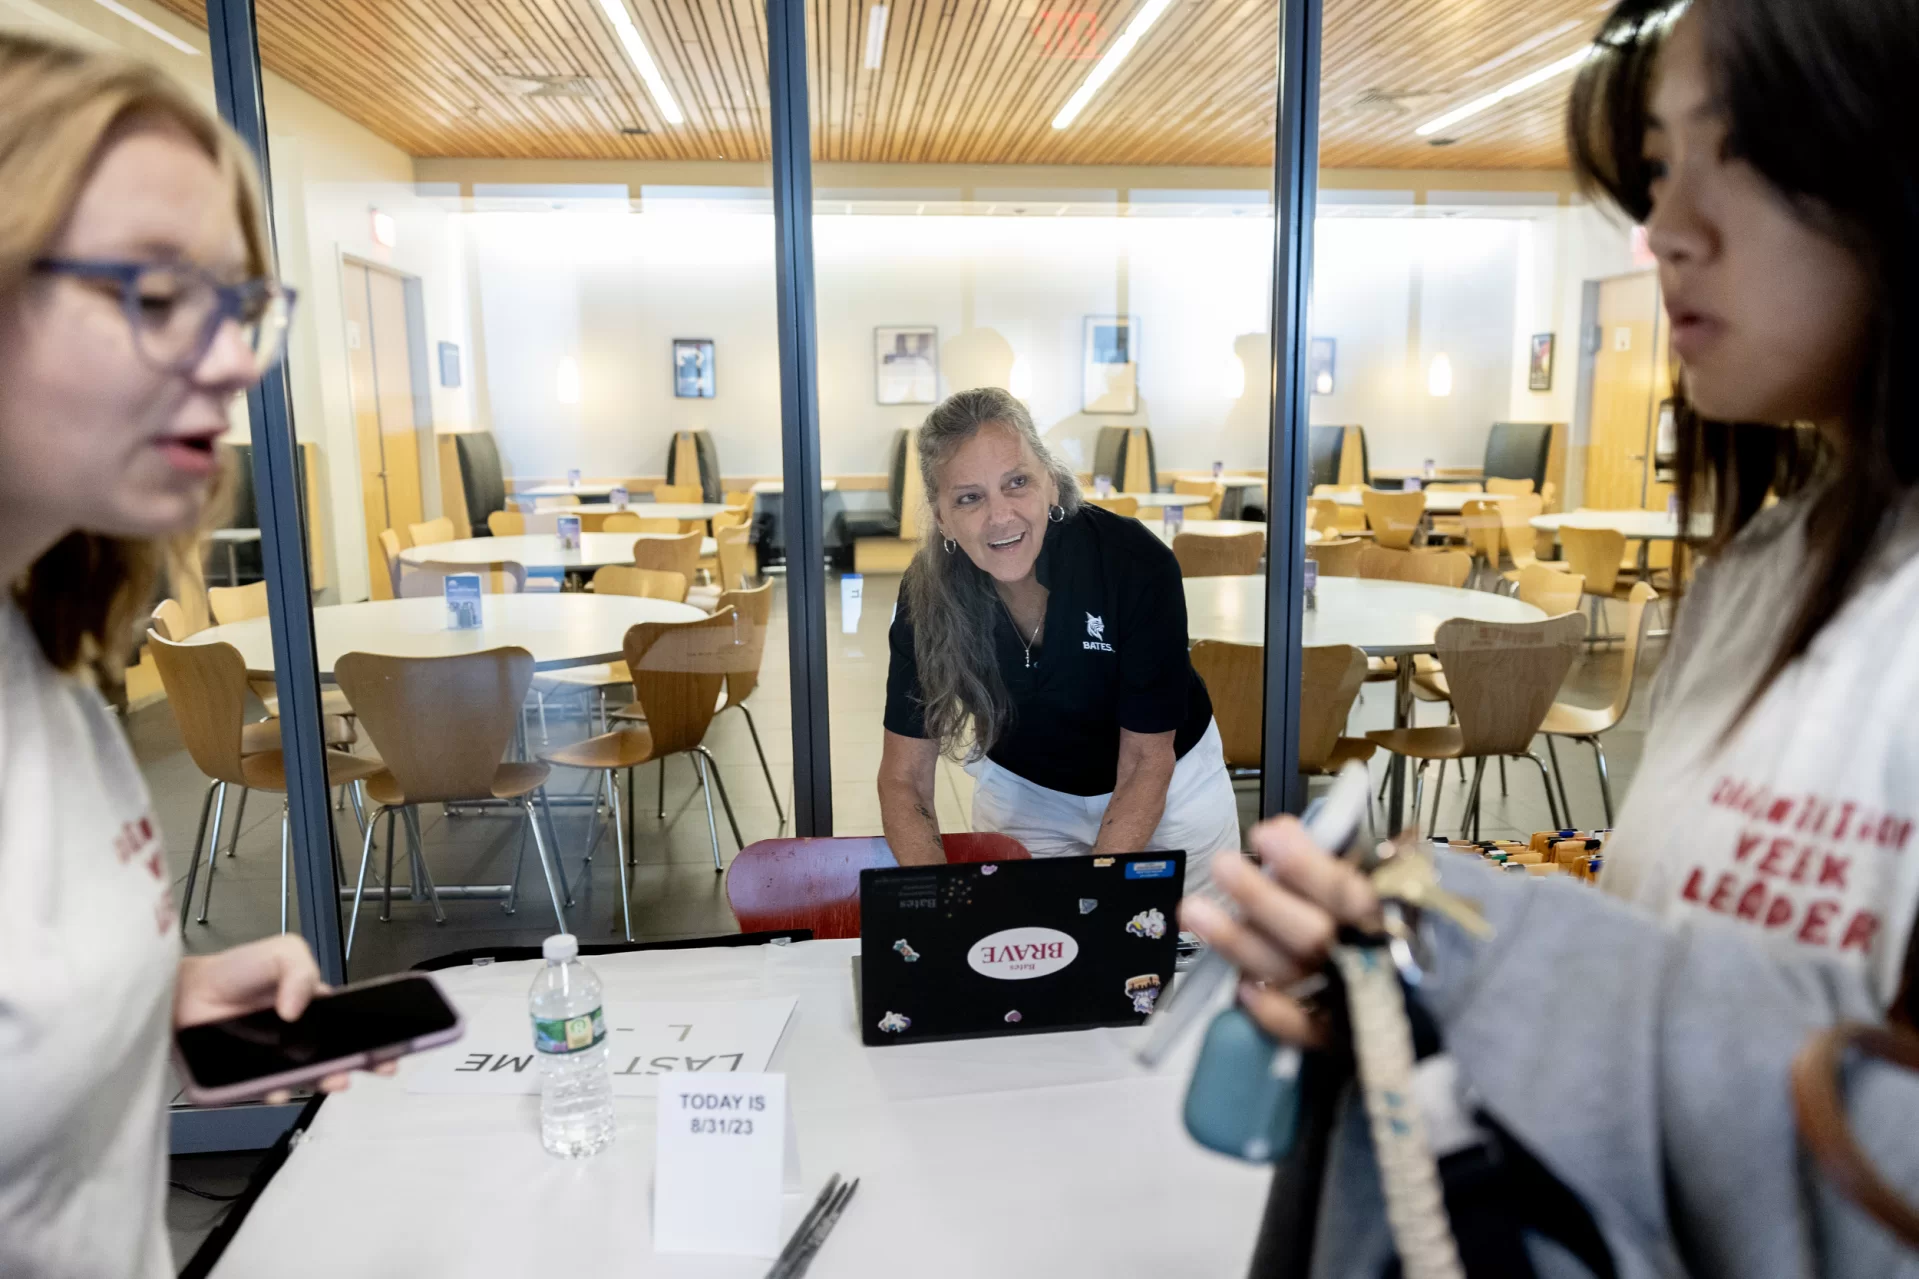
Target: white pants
[(1201, 816)]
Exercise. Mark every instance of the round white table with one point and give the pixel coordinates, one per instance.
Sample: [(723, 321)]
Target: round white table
[(538, 550), (1211, 528), (1444, 502), (559, 630), (1644, 526), (1167, 499), (645, 510), (566, 490), (1387, 619)]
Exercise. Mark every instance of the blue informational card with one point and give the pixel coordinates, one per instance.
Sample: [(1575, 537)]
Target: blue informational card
[(573, 478), (545, 578), (1174, 517), (619, 497), (569, 530), (463, 595)]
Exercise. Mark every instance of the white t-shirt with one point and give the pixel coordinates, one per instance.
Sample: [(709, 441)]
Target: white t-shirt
[(1801, 824), (88, 951)]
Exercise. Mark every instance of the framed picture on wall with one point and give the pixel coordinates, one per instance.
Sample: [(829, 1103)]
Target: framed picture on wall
[(1109, 372), (906, 364), (693, 369), (1322, 355), (1539, 369)]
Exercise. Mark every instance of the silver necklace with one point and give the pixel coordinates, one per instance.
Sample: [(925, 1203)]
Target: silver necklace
[(1026, 644)]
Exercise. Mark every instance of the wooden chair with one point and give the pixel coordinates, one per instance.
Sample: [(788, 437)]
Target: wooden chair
[(1128, 506), (390, 547), (672, 553), (685, 494), (237, 603), (506, 524), (1504, 677), (1514, 488), (679, 671), (815, 883), (206, 685), (243, 604), (1436, 568), (1202, 488), (659, 526), (741, 498), (1596, 554), (1351, 519), (753, 610), (731, 517), (1484, 533), (1330, 677), (169, 620), (1211, 555), (1548, 590), (1395, 518), (1587, 723), (737, 559), (431, 533), (640, 583), (1337, 558), (595, 679), (628, 522), (1453, 486), (1322, 513), (499, 577), (1516, 515), (442, 726)]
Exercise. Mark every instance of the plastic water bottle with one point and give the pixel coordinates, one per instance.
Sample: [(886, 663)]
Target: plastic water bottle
[(569, 1033)]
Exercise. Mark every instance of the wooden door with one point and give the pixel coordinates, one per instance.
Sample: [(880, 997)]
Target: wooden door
[(1628, 382), (380, 375)]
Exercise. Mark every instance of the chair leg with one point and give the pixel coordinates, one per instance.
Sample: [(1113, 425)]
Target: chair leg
[(619, 844), (1605, 777), (1470, 819), (1439, 794), (546, 863), (662, 788), (354, 792), (1439, 786), (239, 822), (286, 832), (546, 809), (1419, 787), (1502, 777), (386, 903), (593, 830), (512, 902), (713, 768), (419, 861), (712, 829), (359, 885), (753, 728), (213, 851), (1559, 775), (193, 862), (1546, 780)]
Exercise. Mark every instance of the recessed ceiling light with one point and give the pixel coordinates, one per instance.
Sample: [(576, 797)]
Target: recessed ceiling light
[(1103, 69), (153, 29), (875, 37), (1533, 80), (642, 61)]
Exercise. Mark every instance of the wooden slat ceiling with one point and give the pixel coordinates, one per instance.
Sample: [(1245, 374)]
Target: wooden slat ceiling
[(960, 82)]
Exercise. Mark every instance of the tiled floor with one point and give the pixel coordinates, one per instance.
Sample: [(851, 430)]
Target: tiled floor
[(676, 892)]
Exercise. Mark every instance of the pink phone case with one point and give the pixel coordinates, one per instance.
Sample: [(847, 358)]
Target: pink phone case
[(254, 1089)]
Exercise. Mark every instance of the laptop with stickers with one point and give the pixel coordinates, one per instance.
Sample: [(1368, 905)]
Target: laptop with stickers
[(1011, 948)]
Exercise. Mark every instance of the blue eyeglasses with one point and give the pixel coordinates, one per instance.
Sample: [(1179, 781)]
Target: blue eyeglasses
[(177, 311)]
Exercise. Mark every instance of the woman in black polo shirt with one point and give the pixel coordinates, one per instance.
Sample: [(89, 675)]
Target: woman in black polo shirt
[(1044, 642)]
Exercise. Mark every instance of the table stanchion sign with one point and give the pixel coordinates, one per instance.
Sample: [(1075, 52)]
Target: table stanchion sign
[(1219, 469), (1103, 485), (725, 1152), (463, 595), (1311, 580), (852, 587), (1174, 517), (544, 579), (619, 497), (1413, 484), (573, 478), (569, 530)]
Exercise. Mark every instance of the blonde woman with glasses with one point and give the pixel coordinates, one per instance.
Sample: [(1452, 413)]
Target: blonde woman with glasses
[(136, 301)]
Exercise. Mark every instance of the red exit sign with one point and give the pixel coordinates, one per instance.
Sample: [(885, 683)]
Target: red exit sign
[(1071, 34)]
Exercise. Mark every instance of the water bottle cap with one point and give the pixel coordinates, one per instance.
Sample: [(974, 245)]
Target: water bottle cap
[(560, 948)]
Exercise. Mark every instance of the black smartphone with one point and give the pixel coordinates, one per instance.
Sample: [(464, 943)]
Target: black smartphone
[(354, 1028)]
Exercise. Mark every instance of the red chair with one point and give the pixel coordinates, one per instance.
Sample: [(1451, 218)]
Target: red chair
[(815, 883)]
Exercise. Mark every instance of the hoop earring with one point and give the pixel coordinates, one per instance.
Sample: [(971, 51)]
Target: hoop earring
[(1056, 513), (951, 545)]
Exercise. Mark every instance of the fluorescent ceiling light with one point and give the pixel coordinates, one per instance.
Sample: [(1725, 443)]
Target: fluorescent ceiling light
[(875, 36), (1568, 63), (1103, 69), (151, 28), (642, 60)]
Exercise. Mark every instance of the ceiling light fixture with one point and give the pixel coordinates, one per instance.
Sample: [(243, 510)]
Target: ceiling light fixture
[(1570, 62), (875, 36), (642, 60), (153, 29), (1103, 69)]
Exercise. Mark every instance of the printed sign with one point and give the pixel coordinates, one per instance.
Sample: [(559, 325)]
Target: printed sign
[(646, 1042), (1103, 485), (573, 478), (852, 587), (463, 595), (1219, 469), (545, 578), (569, 530), (1174, 516), (619, 497), (717, 1166), (1019, 954)]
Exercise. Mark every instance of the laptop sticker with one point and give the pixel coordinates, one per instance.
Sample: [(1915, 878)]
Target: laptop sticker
[(1087, 905), (894, 1023), (1102, 862), (1148, 923), (906, 952), (1143, 991), (988, 869), (1149, 870), (1013, 1018), (1018, 954)]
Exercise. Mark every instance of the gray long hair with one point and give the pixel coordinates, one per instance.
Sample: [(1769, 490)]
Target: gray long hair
[(951, 601)]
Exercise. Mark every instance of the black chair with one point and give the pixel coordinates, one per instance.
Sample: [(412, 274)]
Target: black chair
[(481, 477), (1326, 455), (246, 514), (1518, 450), (1110, 456), (857, 524), (708, 454)]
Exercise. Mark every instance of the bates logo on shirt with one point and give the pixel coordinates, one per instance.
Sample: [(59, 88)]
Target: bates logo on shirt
[(1096, 627), (1016, 954)]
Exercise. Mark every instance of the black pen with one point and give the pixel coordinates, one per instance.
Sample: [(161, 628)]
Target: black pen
[(800, 1232)]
